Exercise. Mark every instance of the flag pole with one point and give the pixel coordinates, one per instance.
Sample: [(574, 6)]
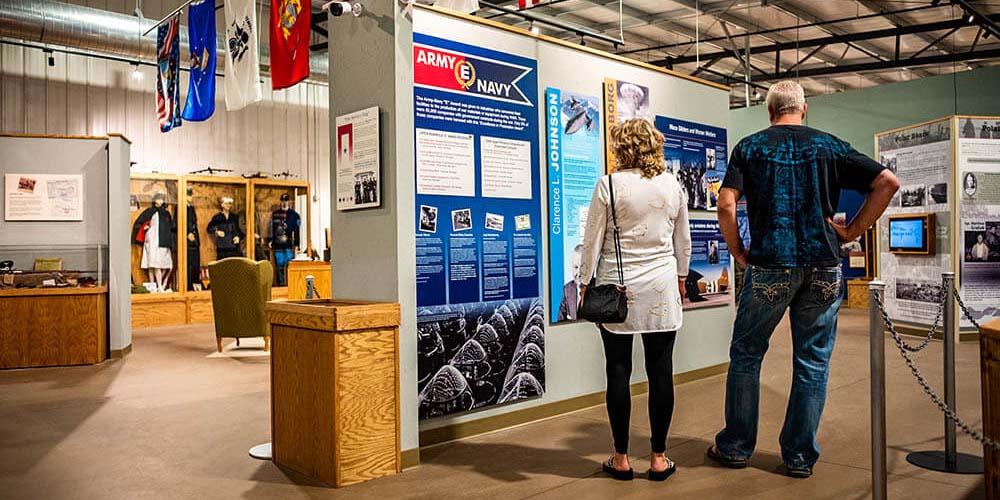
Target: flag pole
[(168, 16)]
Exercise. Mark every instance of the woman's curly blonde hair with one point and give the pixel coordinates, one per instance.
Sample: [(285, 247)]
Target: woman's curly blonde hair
[(636, 144)]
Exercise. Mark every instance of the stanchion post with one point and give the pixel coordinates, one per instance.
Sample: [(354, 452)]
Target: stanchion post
[(950, 450), (877, 338)]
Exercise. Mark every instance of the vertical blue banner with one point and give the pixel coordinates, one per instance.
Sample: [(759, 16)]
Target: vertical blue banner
[(480, 321), (697, 155), (573, 137)]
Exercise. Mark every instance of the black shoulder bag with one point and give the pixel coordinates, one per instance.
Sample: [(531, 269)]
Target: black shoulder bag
[(607, 303)]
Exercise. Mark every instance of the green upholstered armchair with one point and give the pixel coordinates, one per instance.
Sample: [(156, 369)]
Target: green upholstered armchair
[(240, 288)]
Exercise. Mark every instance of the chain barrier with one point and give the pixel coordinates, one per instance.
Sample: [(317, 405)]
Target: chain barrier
[(931, 333), (950, 413)]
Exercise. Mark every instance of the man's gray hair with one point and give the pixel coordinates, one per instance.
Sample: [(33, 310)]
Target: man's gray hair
[(786, 97)]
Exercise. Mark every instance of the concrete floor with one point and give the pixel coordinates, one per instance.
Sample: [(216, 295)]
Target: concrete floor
[(170, 423)]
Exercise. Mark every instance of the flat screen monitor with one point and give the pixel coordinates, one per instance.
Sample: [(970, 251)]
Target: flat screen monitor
[(912, 234)]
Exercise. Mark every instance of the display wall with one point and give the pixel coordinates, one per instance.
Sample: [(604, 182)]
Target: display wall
[(99, 238), (573, 354), (374, 255)]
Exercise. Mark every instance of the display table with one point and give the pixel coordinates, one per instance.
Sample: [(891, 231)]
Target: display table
[(989, 347), (53, 326), (335, 389), (857, 293), (297, 272)]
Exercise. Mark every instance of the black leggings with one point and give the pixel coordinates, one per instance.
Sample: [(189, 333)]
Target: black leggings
[(659, 352)]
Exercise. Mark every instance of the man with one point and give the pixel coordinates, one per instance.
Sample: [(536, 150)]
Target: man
[(285, 222), (791, 176), (571, 290)]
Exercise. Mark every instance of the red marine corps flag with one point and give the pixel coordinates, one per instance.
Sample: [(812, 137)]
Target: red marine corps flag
[(524, 4), (289, 42)]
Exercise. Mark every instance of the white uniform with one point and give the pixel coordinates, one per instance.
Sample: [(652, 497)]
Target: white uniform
[(153, 255), (656, 247)]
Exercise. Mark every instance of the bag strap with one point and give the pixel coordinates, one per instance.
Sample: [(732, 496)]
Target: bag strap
[(614, 220)]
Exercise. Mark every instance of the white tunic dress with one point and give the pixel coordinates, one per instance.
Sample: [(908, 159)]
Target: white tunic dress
[(656, 247), (153, 255)]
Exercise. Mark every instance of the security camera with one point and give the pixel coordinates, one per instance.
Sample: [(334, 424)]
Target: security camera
[(340, 8)]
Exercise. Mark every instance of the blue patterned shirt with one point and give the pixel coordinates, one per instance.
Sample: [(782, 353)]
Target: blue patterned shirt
[(791, 176)]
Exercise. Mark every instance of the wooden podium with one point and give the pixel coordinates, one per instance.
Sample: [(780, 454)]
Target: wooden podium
[(335, 389), (989, 348)]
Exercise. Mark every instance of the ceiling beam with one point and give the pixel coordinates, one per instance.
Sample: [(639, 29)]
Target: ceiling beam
[(952, 24)]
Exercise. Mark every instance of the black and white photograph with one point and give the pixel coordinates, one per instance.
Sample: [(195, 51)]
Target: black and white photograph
[(920, 291), (428, 219), (633, 101), (522, 222), (970, 184), (889, 162), (939, 193), (710, 158), (365, 188), (475, 355), (461, 220), (494, 222), (913, 196)]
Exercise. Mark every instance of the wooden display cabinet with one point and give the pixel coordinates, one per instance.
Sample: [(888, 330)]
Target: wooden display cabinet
[(266, 198), (158, 308), (989, 348), (253, 202)]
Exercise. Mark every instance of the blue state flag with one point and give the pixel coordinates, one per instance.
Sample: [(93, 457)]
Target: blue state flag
[(201, 41)]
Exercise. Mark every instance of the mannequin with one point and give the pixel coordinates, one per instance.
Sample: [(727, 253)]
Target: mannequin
[(285, 223), (193, 243), (225, 227), (154, 229)]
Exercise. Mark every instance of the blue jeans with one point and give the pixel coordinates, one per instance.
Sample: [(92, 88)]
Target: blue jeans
[(812, 296), (281, 258)]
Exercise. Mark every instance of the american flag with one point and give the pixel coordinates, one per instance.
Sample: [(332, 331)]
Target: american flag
[(168, 75), (524, 4)]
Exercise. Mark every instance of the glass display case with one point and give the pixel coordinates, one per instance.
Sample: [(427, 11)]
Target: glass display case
[(281, 224), (153, 201), (53, 266), (215, 224)]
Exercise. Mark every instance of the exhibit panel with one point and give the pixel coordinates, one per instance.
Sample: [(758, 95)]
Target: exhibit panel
[(570, 80), (153, 203), (978, 235), (281, 224), (912, 256)]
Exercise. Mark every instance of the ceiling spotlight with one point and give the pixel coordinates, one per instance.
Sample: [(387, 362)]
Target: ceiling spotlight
[(51, 59), (534, 29), (935, 3), (756, 94), (970, 18), (136, 74)]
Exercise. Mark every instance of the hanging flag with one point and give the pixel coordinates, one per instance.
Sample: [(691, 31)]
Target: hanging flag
[(524, 4), (168, 62), (289, 49), (200, 102), (242, 80)]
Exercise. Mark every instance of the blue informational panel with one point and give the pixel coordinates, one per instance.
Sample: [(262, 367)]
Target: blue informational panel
[(478, 227), (696, 153), (573, 138), (708, 283)]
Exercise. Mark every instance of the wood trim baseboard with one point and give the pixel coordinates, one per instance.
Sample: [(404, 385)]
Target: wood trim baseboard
[(461, 430), (409, 458), (121, 353)]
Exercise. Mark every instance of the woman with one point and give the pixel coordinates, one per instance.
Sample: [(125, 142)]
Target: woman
[(655, 239)]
